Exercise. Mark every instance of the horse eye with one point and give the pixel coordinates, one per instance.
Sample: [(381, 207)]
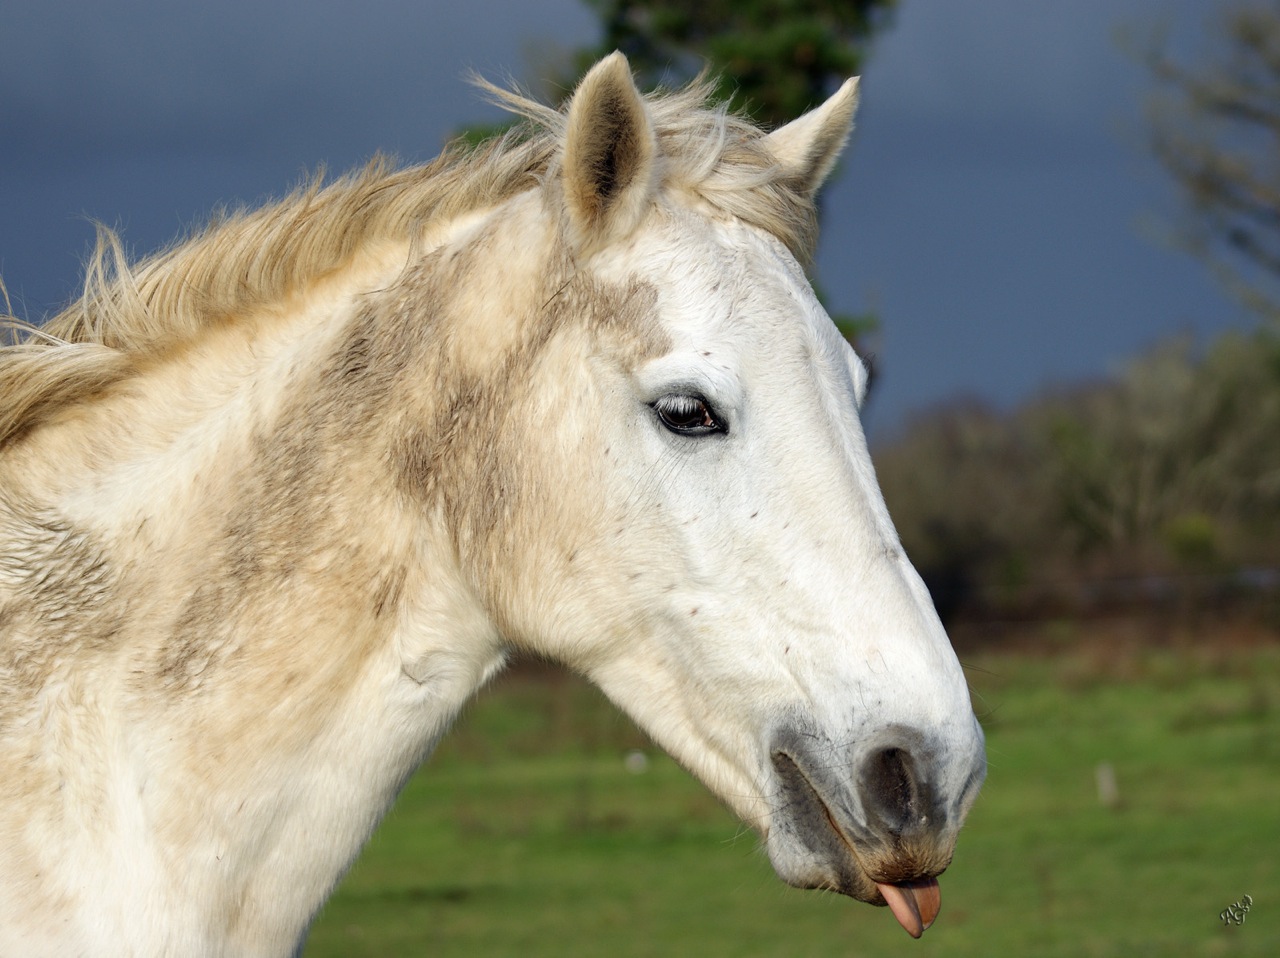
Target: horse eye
[(688, 415)]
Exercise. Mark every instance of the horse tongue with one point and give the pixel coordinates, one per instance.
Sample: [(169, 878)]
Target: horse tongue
[(914, 903)]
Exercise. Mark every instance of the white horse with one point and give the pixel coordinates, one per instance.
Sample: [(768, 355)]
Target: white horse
[(276, 502)]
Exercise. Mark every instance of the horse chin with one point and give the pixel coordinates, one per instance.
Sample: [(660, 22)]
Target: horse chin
[(801, 869)]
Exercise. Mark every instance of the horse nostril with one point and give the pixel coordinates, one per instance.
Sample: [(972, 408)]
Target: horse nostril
[(890, 789)]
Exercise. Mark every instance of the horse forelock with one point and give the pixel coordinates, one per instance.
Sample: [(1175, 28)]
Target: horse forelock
[(245, 262)]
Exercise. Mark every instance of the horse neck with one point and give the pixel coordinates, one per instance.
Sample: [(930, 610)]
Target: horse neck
[(256, 641)]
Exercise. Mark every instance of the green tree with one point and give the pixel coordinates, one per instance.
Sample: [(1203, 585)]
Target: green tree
[(1169, 466), (773, 59)]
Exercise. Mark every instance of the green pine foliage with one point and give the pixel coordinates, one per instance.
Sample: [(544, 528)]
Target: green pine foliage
[(773, 59)]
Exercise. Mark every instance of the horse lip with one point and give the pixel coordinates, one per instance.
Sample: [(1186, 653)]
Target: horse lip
[(795, 768), (789, 768)]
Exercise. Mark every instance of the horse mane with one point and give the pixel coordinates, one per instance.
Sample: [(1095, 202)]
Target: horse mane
[(245, 260)]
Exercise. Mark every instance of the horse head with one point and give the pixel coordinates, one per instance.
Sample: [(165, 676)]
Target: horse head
[(692, 519)]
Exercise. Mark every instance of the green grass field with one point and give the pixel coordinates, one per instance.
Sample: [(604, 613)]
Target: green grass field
[(526, 834)]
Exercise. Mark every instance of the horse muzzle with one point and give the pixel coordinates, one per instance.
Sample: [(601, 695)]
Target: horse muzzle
[(877, 820)]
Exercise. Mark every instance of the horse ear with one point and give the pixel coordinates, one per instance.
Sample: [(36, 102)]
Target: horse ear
[(610, 156), (808, 148)]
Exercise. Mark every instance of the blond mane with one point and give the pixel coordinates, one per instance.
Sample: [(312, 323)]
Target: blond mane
[(249, 259)]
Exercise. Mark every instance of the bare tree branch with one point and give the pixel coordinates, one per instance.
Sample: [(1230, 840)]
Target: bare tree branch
[(1216, 130)]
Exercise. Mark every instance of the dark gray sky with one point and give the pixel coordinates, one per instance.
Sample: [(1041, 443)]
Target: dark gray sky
[(990, 209)]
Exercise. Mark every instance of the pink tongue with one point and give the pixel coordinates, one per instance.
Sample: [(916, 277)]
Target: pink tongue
[(914, 903)]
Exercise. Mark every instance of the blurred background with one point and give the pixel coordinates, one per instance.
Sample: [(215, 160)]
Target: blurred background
[(1056, 238)]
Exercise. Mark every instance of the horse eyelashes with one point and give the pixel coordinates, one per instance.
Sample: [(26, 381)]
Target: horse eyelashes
[(688, 415)]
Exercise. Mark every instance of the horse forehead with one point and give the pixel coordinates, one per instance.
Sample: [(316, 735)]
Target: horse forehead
[(727, 254), (723, 279), (739, 307)]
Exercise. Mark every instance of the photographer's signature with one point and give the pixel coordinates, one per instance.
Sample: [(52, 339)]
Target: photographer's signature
[(1234, 913)]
